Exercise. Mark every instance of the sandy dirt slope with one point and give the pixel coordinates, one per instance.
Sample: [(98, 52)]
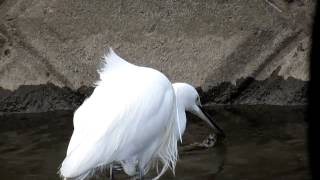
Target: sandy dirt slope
[(205, 43)]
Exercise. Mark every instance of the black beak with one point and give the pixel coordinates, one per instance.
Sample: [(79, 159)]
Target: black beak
[(218, 130)]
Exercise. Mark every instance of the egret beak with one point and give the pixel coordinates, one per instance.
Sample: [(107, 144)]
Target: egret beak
[(208, 119)]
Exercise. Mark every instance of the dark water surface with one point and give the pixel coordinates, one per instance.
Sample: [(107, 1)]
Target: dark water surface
[(263, 142)]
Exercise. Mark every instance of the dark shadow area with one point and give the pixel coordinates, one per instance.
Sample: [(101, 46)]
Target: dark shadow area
[(313, 91)]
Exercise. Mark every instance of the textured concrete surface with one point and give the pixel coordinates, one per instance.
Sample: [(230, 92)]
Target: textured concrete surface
[(200, 42)]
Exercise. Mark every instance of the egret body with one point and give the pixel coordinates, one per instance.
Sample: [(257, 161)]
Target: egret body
[(134, 116)]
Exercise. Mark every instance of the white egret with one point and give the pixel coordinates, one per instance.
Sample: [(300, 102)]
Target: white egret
[(134, 116)]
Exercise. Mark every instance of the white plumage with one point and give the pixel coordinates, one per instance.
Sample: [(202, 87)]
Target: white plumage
[(134, 116)]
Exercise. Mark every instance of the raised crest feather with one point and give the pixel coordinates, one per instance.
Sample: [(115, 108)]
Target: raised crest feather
[(111, 62)]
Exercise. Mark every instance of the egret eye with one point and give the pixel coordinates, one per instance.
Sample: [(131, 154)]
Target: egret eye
[(198, 101)]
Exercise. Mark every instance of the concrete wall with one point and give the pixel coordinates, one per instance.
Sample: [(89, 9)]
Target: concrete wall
[(200, 42)]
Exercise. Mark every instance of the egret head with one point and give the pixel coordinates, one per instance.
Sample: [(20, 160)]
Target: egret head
[(189, 97)]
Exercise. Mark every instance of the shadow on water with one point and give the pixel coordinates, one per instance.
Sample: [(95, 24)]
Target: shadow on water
[(263, 142)]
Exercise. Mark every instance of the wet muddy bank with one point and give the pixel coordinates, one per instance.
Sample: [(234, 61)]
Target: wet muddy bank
[(42, 98), (263, 142), (272, 91)]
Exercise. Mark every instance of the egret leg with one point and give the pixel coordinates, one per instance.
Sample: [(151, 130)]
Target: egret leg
[(141, 173), (111, 172)]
